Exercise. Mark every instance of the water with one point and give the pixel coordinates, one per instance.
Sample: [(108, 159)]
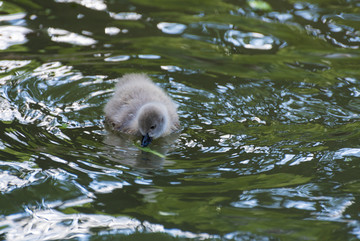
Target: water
[(268, 95)]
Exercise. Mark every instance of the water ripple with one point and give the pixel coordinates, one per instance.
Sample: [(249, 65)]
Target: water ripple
[(301, 198), (251, 40), (18, 175)]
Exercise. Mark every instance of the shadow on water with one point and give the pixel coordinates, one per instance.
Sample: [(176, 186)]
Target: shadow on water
[(126, 150)]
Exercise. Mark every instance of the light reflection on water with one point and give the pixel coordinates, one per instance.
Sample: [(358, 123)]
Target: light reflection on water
[(268, 102), (92, 4), (249, 40), (58, 225), (12, 35), (61, 35), (171, 28)]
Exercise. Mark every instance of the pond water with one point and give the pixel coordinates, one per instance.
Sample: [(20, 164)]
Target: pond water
[(269, 101)]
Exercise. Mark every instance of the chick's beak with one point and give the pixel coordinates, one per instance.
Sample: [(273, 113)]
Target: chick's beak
[(146, 140)]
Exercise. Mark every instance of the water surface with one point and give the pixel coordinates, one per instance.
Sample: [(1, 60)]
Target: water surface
[(269, 101)]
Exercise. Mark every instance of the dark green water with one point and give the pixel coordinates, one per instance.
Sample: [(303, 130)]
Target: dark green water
[(269, 100)]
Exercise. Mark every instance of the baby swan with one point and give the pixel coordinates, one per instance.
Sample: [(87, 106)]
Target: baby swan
[(141, 108)]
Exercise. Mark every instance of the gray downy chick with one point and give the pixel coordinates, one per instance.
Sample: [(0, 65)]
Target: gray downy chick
[(139, 107)]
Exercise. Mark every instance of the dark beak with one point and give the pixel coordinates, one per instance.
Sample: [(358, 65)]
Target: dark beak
[(146, 140)]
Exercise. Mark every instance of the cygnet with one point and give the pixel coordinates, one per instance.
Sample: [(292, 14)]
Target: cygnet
[(141, 108)]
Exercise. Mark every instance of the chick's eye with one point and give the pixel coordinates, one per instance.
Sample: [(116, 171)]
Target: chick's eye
[(153, 127)]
